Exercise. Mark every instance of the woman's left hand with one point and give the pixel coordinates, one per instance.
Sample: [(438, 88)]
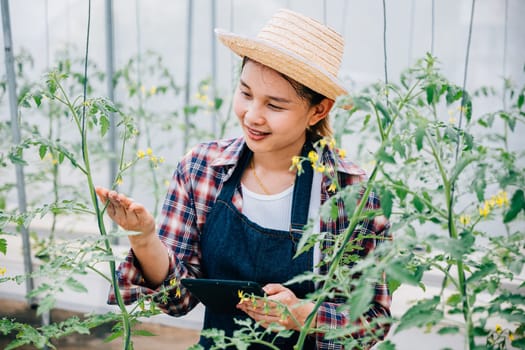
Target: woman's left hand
[(272, 310)]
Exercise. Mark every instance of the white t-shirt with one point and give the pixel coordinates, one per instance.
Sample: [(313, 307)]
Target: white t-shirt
[(274, 211)]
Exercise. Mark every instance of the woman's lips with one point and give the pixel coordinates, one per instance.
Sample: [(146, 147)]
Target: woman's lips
[(255, 134)]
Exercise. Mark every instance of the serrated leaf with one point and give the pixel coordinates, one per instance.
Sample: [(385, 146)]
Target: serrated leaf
[(425, 312), (45, 305), (398, 272), (104, 125), (75, 285), (483, 271), (387, 200), (360, 300), (384, 157)]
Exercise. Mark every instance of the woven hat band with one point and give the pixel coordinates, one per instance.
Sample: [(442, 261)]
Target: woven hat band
[(306, 38)]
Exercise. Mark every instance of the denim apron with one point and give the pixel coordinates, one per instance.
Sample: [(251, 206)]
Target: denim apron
[(233, 247)]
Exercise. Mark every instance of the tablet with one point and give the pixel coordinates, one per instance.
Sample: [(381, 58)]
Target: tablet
[(218, 294)]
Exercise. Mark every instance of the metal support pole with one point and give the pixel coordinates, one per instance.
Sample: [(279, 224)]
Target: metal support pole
[(110, 70), (214, 64), (13, 107), (189, 45)]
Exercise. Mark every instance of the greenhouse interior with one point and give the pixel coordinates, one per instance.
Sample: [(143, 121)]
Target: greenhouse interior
[(124, 121)]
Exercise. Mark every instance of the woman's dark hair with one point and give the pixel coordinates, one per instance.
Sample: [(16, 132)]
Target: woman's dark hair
[(322, 128)]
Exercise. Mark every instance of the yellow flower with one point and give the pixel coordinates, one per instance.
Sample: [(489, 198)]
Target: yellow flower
[(296, 160), (161, 160), (140, 154), (205, 87), (332, 188), (502, 199), (332, 143), (173, 282), (452, 120), (341, 152), (313, 156), (153, 90), (167, 183), (511, 337), (484, 210), (119, 181), (3, 270), (178, 293), (320, 169), (149, 152), (492, 202), (323, 143), (498, 329), (464, 219), (153, 159), (54, 161), (143, 89)]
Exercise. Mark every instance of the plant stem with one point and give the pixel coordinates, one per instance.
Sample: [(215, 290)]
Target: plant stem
[(100, 222)]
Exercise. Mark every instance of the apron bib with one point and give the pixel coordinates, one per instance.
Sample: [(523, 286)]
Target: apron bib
[(233, 247)]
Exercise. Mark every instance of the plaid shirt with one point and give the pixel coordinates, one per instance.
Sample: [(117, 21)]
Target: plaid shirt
[(197, 181)]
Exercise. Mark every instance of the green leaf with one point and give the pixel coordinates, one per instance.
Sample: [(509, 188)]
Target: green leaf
[(424, 313), (143, 333), (37, 99), (360, 300), (521, 100), (218, 103), (386, 116), (46, 304), (454, 299), (518, 343), (430, 94), (387, 200), (418, 204), (517, 203), (484, 270), (75, 285), (3, 246), (448, 330), (454, 93), (42, 150), (419, 136), (384, 157), (104, 125), (386, 345), (400, 273)]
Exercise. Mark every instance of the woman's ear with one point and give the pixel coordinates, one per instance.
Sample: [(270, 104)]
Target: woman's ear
[(320, 111)]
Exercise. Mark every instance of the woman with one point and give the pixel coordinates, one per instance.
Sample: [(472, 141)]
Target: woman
[(235, 208)]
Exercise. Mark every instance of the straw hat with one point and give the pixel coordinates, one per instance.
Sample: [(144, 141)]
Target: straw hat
[(297, 46)]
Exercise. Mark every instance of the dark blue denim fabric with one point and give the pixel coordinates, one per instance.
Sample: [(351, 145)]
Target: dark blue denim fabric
[(233, 247)]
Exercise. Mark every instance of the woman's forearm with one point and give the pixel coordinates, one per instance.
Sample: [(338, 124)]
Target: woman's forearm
[(153, 257)]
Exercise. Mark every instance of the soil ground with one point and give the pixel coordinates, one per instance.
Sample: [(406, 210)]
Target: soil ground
[(165, 338)]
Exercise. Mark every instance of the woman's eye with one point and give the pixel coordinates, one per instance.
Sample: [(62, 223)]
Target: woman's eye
[(244, 93), (272, 106)]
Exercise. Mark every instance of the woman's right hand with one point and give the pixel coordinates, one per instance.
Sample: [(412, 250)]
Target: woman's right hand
[(126, 213)]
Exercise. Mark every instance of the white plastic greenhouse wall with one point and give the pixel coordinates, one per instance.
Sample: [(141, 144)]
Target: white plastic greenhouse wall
[(44, 28)]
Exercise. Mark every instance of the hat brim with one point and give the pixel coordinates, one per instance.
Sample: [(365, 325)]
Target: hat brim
[(285, 62)]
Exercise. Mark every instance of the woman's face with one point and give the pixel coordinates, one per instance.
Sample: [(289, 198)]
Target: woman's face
[(273, 117)]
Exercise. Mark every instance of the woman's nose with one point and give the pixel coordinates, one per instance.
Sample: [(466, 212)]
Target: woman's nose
[(254, 114)]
